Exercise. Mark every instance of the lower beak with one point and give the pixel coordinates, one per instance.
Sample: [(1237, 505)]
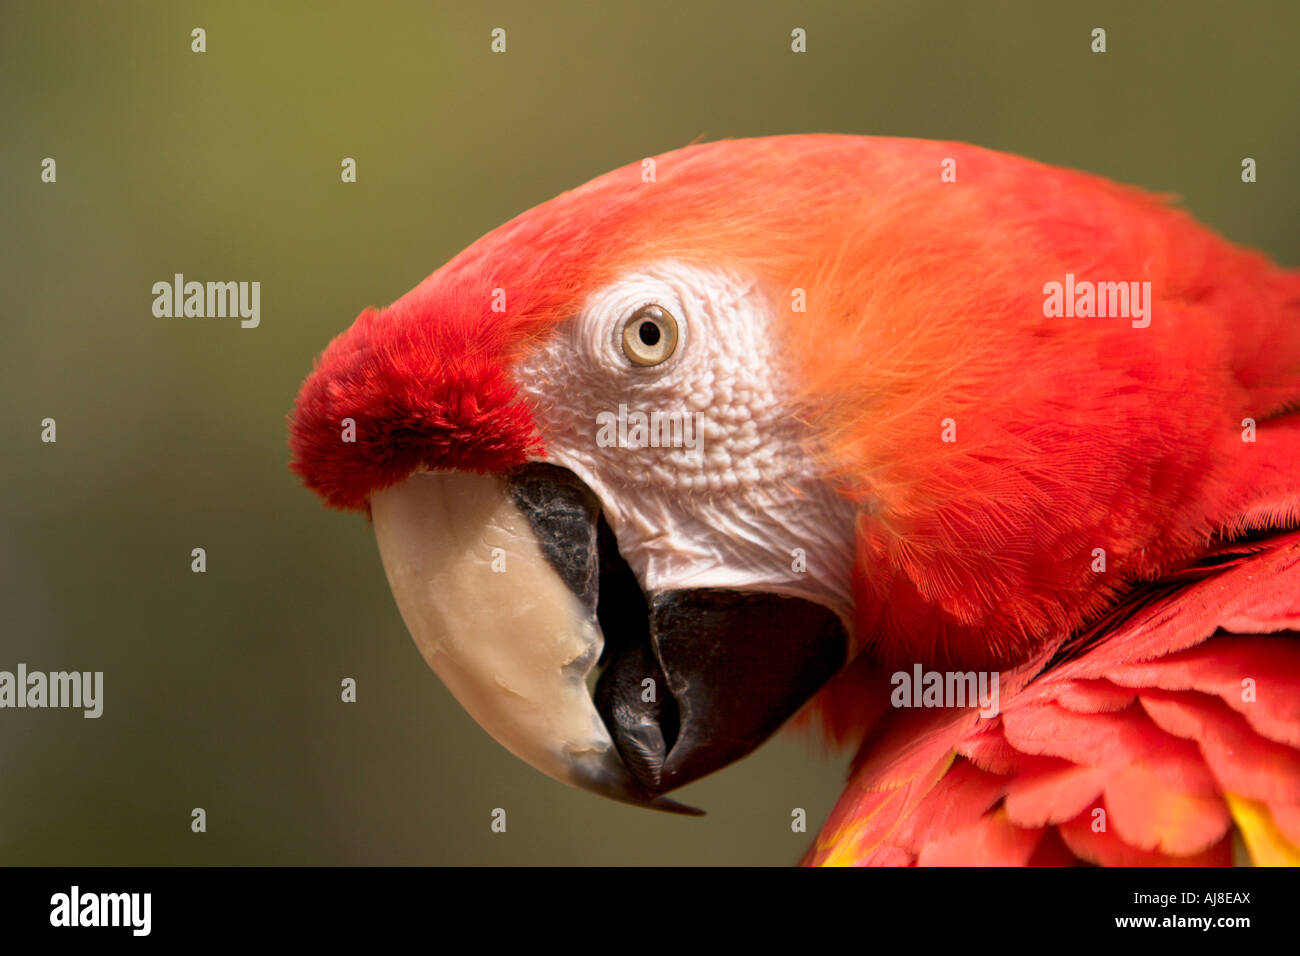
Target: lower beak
[(510, 586)]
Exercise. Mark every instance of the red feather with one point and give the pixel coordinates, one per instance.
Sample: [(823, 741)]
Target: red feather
[(1154, 748)]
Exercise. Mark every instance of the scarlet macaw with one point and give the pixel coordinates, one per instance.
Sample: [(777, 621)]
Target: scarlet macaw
[(796, 418)]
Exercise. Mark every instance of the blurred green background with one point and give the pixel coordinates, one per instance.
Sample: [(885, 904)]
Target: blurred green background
[(222, 689)]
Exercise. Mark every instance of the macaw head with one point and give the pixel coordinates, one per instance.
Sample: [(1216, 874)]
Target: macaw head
[(653, 462)]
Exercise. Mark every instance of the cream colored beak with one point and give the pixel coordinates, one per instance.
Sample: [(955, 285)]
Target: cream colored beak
[(499, 626)]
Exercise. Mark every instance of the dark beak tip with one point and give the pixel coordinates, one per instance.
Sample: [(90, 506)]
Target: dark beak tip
[(669, 805)]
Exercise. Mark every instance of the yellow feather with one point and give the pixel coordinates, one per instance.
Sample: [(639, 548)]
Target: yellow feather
[(1267, 845)]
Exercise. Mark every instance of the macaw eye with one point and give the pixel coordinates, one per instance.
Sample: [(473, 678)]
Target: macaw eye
[(650, 336)]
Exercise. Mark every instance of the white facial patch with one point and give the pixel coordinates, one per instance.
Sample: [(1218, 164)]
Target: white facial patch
[(700, 463)]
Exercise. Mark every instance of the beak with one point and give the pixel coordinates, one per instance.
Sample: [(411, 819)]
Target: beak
[(513, 590)]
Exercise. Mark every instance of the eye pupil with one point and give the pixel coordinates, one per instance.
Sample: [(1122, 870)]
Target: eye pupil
[(649, 333)]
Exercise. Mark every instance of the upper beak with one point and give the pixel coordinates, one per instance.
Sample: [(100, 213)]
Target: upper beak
[(510, 586)]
